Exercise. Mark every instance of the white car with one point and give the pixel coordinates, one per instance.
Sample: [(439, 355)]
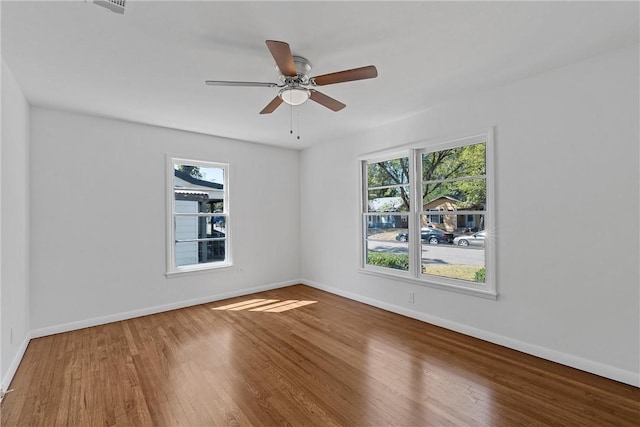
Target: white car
[(475, 239)]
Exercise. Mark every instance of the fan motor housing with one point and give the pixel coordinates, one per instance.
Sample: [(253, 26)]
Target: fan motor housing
[(303, 68)]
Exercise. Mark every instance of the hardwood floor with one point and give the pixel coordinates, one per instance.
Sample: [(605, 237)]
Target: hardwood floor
[(326, 361)]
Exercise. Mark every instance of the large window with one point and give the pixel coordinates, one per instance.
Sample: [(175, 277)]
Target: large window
[(198, 219), (427, 215)]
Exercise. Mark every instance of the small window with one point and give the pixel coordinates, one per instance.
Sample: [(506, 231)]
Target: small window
[(434, 219), (198, 215)]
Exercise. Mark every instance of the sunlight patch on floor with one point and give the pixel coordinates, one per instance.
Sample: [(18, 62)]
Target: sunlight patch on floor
[(238, 304), (255, 304), (277, 304), (265, 305)]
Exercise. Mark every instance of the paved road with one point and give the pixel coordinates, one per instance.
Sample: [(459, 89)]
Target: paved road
[(434, 254)]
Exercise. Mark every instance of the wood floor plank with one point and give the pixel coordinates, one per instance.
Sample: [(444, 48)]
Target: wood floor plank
[(328, 362)]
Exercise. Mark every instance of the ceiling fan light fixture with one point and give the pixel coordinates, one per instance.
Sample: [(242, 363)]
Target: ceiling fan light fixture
[(294, 95)]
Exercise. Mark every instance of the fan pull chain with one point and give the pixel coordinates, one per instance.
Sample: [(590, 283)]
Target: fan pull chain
[(291, 119)]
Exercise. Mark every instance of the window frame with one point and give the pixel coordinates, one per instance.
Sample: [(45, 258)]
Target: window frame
[(414, 274), (171, 268), (364, 210)]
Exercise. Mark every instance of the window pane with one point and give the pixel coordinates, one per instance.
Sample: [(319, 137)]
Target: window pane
[(199, 227), (469, 194), (203, 186), (437, 228), (196, 175), (386, 243), (188, 253), (393, 199), (469, 160), (389, 172), (462, 258), (452, 223), (375, 222), (217, 224)]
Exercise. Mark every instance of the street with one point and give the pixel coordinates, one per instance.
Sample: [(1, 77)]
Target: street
[(433, 254)]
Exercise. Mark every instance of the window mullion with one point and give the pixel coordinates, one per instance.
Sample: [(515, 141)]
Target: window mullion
[(208, 239), (200, 214), (415, 173), (364, 195), (383, 187), (457, 179)]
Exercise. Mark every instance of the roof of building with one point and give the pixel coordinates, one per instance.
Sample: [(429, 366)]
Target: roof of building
[(439, 201), (186, 177)]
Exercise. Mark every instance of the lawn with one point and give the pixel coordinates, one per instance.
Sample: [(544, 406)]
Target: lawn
[(463, 272)]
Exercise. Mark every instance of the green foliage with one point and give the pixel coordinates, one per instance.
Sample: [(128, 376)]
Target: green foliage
[(389, 172), (384, 259), (393, 173), (466, 161), (193, 171), (439, 166), (457, 172)]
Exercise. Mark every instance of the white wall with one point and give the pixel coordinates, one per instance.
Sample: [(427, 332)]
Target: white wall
[(567, 216), (14, 251), (98, 219)]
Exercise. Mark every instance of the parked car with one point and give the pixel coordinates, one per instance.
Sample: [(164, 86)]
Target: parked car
[(430, 235), (475, 239)]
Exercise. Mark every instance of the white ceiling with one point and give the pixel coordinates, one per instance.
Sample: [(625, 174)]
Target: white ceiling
[(149, 65)]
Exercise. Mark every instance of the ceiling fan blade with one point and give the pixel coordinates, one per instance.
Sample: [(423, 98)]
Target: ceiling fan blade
[(282, 55), (275, 103), (246, 84), (327, 101), (361, 73)]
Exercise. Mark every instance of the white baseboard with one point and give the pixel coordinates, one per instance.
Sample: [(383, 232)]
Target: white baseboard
[(627, 377), (72, 326), (8, 377)]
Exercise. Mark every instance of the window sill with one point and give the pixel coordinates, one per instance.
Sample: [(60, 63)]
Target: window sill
[(199, 269), (433, 283)]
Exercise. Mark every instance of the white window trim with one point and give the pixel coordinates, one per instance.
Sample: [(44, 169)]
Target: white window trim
[(171, 268), (414, 275)]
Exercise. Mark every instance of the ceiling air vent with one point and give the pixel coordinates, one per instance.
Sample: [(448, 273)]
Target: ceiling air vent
[(113, 5)]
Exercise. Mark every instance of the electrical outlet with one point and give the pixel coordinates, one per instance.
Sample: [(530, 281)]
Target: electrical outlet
[(412, 297)]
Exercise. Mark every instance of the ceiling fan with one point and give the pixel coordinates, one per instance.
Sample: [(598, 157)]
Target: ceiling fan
[(295, 83)]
